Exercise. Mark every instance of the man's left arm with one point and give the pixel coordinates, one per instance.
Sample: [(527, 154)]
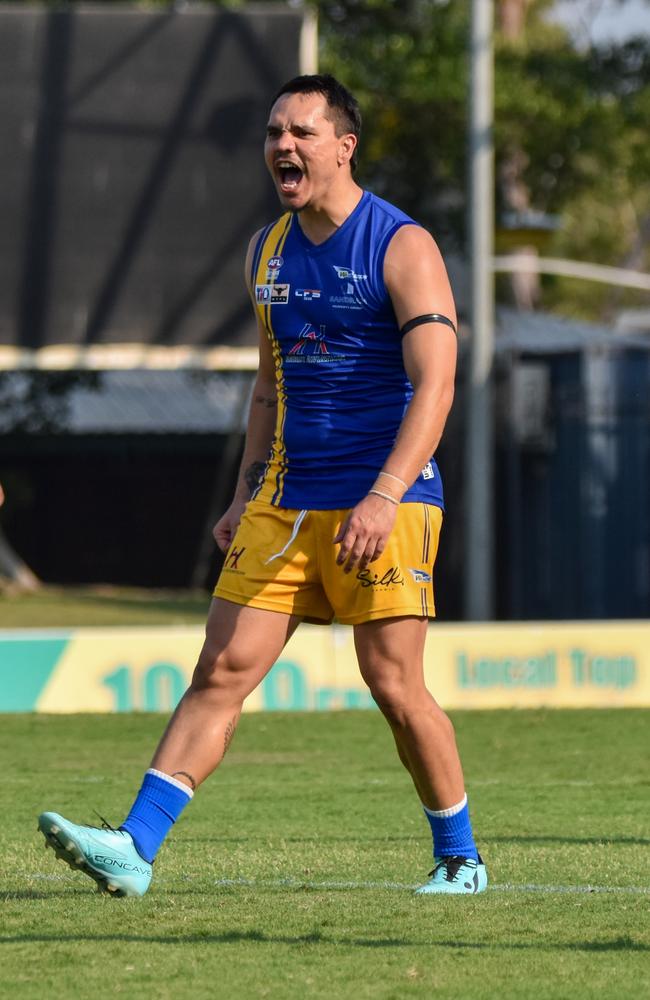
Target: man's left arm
[(418, 285)]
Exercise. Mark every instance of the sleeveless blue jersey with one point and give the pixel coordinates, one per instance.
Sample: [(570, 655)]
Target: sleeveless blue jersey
[(341, 384)]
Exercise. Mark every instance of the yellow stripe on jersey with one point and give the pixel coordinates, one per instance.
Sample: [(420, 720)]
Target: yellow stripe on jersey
[(272, 246)]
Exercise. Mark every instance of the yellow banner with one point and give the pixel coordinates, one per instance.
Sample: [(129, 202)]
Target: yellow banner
[(525, 665)]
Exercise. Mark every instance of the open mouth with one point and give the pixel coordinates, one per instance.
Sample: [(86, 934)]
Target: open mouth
[(289, 174)]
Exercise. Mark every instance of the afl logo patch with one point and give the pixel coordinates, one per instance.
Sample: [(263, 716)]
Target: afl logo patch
[(274, 263)]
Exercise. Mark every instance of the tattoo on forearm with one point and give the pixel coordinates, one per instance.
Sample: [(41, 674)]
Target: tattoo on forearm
[(230, 732), (268, 401), (188, 776), (253, 475)]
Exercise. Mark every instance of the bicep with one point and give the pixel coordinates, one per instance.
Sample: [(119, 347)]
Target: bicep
[(429, 354), (416, 276), (417, 282)]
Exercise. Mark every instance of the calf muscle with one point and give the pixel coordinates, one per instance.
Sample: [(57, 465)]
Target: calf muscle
[(241, 646)]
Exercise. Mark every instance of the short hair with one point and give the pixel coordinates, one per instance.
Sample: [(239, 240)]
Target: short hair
[(345, 113)]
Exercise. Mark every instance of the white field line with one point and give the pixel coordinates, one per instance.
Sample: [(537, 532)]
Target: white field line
[(289, 883), (293, 883)]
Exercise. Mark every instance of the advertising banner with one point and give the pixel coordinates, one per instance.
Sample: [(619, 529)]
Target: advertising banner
[(525, 665)]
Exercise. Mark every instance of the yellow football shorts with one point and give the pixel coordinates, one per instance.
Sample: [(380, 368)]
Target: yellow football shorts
[(285, 560)]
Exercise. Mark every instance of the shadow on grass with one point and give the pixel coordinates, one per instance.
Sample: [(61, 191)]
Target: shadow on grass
[(20, 894), (550, 839), (318, 938), (413, 838)]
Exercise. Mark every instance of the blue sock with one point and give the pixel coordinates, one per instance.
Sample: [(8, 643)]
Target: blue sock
[(158, 805), (452, 831)]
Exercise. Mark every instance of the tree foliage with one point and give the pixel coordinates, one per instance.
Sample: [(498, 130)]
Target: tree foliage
[(579, 117)]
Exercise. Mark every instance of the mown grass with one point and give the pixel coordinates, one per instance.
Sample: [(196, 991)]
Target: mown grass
[(70, 607), (250, 897)]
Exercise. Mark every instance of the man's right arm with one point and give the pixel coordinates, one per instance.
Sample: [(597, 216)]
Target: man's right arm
[(259, 431)]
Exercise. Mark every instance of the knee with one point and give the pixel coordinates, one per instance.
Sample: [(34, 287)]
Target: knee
[(220, 669), (391, 696), (391, 703), (401, 698)]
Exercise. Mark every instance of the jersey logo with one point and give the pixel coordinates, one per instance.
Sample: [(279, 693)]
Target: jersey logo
[(273, 266), (347, 273), (308, 293), (311, 348), (427, 471), (273, 295), (310, 342)]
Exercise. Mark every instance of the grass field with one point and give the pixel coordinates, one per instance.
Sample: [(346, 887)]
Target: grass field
[(289, 875), (69, 607)]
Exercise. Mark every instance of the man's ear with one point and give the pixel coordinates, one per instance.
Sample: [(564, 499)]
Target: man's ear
[(347, 146)]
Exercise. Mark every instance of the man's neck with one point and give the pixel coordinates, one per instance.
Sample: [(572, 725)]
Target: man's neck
[(318, 223)]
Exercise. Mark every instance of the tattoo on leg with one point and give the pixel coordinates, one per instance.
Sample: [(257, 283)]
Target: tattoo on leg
[(253, 475), (230, 732), (188, 776)]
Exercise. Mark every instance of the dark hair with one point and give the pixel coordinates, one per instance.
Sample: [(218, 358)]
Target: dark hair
[(345, 116)]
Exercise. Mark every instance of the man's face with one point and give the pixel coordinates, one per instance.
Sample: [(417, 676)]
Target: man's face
[(302, 151)]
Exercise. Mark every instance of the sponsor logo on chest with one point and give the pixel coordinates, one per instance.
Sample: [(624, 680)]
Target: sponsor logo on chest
[(272, 295), (348, 273), (311, 348), (350, 295), (273, 266)]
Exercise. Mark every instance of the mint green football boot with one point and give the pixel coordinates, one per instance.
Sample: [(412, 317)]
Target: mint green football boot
[(456, 875), (108, 856)]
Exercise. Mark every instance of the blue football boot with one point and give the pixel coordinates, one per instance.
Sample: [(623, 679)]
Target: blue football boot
[(456, 875), (108, 856)]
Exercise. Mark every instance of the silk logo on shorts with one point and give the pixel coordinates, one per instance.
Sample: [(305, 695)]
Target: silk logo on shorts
[(233, 557), (272, 295), (389, 580), (311, 348)]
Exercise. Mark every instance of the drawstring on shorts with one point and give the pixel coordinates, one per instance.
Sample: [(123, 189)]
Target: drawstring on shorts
[(292, 537)]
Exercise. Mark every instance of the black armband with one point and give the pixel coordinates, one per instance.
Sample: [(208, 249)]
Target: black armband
[(427, 318)]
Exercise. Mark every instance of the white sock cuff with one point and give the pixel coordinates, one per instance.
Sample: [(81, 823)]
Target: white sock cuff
[(172, 781), (443, 813)]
